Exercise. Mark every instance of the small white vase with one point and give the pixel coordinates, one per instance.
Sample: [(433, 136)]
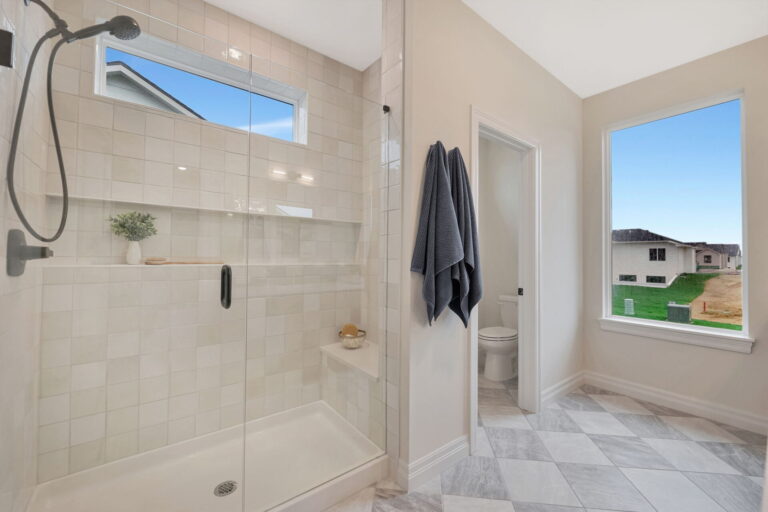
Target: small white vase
[(133, 254)]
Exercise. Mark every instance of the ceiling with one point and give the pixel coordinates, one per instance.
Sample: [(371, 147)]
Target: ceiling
[(346, 30), (596, 45)]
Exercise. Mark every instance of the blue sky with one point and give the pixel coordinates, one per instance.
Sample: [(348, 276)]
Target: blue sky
[(681, 176), (216, 102)]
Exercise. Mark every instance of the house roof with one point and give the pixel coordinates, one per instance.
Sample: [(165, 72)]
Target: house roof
[(117, 66), (641, 235), (727, 249)]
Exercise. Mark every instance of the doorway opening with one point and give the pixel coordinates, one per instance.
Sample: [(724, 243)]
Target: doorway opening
[(504, 340)]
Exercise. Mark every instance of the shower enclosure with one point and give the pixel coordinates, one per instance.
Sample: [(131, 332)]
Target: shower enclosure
[(209, 377)]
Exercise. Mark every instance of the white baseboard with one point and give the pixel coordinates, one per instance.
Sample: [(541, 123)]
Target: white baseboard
[(714, 411), (561, 388), (414, 474)]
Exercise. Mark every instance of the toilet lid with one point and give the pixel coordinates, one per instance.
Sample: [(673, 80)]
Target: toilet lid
[(497, 333)]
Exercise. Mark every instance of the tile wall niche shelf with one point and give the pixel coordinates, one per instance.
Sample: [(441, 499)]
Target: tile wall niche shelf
[(365, 358), (196, 265), (202, 209)]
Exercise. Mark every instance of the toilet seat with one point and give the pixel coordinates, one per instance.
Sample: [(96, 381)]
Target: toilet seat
[(497, 334)]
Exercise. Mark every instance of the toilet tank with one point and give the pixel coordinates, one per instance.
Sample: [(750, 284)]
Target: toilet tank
[(508, 307)]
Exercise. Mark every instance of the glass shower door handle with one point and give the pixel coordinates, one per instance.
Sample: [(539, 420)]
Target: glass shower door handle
[(226, 286)]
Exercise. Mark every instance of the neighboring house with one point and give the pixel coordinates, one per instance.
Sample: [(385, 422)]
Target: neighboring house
[(125, 83), (718, 256), (644, 258)]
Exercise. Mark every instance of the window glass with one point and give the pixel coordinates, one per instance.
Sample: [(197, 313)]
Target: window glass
[(677, 181), (139, 80)]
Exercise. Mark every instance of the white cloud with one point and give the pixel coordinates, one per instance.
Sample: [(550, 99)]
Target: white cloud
[(270, 128)]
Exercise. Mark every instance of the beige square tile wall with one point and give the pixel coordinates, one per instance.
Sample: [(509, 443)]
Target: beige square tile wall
[(20, 296), (138, 358)]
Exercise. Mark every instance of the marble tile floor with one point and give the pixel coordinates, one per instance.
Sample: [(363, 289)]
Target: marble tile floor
[(591, 451)]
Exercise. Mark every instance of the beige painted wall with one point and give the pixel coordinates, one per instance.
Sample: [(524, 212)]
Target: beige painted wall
[(453, 61), (727, 378), (498, 207)]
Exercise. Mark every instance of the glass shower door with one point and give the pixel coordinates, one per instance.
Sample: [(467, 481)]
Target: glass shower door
[(316, 262)]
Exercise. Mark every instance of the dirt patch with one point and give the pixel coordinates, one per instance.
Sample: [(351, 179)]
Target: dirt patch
[(722, 295)]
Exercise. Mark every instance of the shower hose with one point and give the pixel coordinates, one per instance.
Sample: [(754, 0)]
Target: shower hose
[(10, 171)]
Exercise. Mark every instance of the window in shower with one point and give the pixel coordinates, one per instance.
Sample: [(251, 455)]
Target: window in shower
[(185, 83)]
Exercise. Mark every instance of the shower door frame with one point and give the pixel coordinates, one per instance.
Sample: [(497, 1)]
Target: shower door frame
[(529, 265)]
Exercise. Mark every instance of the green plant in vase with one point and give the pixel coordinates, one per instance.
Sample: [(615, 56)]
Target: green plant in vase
[(134, 227)]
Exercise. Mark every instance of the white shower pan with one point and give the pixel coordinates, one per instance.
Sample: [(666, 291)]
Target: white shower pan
[(285, 455)]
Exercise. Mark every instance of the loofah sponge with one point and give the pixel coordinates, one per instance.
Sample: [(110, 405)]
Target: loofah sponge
[(349, 330)]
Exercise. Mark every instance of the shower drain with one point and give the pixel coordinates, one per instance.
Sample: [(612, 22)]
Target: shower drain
[(225, 488)]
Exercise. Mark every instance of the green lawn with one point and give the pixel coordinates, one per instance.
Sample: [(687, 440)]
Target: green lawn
[(651, 303)]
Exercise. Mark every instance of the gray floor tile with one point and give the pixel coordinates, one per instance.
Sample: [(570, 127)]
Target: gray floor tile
[(532, 481), (620, 404), (602, 423), (630, 452), (700, 429), (503, 417), (690, 456), (594, 390), (750, 460), (412, 502), (476, 477), (553, 420), (483, 447), (465, 504), (671, 491), (745, 435), (579, 402), (540, 507), (733, 493), (511, 443), (604, 487), (572, 447), (486, 396), (643, 425), (662, 410)]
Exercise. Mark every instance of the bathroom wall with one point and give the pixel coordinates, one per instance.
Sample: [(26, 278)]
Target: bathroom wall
[(498, 207), (137, 358), (20, 296), (455, 60), (718, 378)]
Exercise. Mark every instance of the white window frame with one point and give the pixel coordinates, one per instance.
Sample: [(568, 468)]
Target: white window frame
[(711, 337), (156, 50)]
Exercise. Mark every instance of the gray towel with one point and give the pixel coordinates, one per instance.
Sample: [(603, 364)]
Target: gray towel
[(466, 273), (438, 241)]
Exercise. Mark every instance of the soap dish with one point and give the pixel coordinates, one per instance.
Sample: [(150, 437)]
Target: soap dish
[(351, 341)]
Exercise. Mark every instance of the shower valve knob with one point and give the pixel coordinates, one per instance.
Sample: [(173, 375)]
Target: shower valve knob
[(19, 253)]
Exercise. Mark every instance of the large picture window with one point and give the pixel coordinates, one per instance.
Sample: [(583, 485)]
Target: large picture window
[(676, 218)]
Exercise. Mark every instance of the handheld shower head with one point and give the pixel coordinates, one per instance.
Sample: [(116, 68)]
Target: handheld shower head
[(121, 27)]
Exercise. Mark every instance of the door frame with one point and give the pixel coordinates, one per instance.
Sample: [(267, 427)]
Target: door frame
[(529, 255)]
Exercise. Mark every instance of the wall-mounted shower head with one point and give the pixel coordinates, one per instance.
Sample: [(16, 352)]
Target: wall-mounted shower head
[(121, 27)]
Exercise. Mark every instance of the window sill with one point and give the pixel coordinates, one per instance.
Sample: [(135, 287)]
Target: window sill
[(700, 336)]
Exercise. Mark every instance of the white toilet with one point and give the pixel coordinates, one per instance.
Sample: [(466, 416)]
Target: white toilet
[(500, 343)]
